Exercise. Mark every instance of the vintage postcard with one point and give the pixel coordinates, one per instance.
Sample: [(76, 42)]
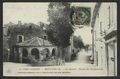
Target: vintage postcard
[(59, 39)]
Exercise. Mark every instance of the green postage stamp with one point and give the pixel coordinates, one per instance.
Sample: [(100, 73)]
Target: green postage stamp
[(82, 16)]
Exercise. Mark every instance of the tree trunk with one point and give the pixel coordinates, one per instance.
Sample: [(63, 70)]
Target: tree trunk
[(67, 54), (60, 52), (61, 57), (64, 54)]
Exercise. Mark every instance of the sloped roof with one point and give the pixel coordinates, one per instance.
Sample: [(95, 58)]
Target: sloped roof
[(35, 41)]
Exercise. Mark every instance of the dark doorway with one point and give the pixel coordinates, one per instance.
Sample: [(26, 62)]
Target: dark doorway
[(24, 56), (53, 52), (35, 53), (47, 52)]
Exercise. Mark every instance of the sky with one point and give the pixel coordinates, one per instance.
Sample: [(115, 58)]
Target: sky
[(36, 12), (85, 34), (25, 12)]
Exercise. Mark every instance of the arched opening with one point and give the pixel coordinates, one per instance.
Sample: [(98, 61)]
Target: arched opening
[(53, 52), (45, 54), (35, 53), (24, 56), (47, 51)]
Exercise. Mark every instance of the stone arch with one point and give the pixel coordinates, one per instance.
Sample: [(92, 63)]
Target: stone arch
[(35, 53), (24, 55), (53, 52), (47, 52)]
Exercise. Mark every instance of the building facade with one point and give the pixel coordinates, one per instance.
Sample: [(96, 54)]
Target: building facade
[(22, 33), (104, 24), (37, 48)]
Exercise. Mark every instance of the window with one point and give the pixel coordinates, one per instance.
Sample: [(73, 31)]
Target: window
[(53, 52), (109, 16), (45, 37), (20, 38), (8, 32), (101, 27), (30, 27)]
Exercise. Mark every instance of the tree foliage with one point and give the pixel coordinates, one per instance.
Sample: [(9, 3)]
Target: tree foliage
[(78, 42), (60, 28)]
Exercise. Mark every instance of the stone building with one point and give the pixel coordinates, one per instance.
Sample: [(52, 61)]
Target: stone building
[(104, 24), (36, 47), (24, 38)]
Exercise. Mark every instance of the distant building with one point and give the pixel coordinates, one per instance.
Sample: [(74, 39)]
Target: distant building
[(104, 24), (6, 27)]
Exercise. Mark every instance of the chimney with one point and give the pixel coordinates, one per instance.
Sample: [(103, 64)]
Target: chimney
[(19, 23)]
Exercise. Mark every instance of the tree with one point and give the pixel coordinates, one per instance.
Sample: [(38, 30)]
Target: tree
[(78, 42), (60, 28), (6, 51), (87, 47)]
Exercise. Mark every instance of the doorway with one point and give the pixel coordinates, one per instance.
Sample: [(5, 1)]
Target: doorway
[(24, 56), (53, 52), (35, 53), (111, 58)]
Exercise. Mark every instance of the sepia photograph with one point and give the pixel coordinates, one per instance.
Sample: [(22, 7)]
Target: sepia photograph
[(59, 39)]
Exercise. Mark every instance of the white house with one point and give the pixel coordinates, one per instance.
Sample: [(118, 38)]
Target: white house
[(104, 24)]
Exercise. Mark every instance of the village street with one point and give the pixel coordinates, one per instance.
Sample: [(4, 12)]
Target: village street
[(82, 59)]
